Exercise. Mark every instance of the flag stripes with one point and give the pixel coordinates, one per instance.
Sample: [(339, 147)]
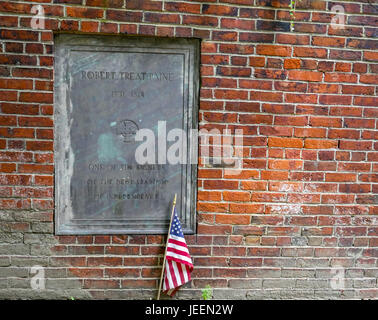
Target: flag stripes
[(178, 261)]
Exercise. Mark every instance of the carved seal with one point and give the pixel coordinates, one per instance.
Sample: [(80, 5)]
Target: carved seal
[(127, 129)]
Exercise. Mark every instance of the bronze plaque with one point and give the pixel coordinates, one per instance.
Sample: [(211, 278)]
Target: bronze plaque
[(108, 89)]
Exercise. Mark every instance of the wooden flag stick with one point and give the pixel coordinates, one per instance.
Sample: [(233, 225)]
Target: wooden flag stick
[(166, 246)]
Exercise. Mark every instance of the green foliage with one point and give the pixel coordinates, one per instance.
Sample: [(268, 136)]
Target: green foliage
[(207, 292), (292, 6)]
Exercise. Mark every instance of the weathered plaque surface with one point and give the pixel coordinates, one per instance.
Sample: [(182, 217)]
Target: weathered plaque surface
[(106, 89)]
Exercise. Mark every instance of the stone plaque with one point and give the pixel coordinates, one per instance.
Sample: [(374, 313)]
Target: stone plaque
[(107, 90)]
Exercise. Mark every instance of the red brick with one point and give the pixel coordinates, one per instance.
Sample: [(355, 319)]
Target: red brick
[(301, 98), (89, 13), (293, 39), (355, 188), (270, 74), (108, 27), (220, 184), (264, 252), (14, 46), (231, 94), (9, 95), (320, 144), (69, 25), (27, 109), (229, 23), (104, 261), (35, 168), (21, 35), (359, 123), (8, 120), (246, 208), (369, 78), (268, 197), (161, 18), (35, 48), (16, 156), (9, 21), (32, 73), (285, 164), (215, 59), (35, 121), (335, 99), (305, 75), (253, 185), (309, 28), (291, 120), (236, 196), (36, 97), (345, 111), (341, 177), (310, 132), (292, 64), (124, 16), (271, 50), (212, 207), (224, 35), (278, 108), (39, 145), (254, 163), (200, 20), (89, 26), (310, 52), (183, 7), (236, 48), (343, 133), (355, 145), (340, 77), (128, 28), (232, 219), (165, 31), (359, 67), (285, 142), (257, 61), (276, 131), (16, 84), (355, 89), (328, 41), (7, 167), (44, 85), (266, 96), (257, 37), (234, 71), (365, 101), (343, 67)]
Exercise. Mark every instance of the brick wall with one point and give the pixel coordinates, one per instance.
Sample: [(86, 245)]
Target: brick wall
[(302, 211)]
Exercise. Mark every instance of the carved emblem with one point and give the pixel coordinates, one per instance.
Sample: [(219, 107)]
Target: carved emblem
[(127, 129)]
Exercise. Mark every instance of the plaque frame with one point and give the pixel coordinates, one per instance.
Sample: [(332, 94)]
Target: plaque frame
[(187, 196)]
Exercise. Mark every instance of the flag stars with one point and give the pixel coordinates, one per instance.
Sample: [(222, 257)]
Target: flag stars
[(176, 226)]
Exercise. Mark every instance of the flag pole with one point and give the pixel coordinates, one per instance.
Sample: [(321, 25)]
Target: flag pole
[(166, 246)]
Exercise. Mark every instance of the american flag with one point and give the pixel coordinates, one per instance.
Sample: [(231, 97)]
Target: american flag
[(178, 265)]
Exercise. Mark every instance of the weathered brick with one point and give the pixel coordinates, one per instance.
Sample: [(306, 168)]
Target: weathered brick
[(305, 199)]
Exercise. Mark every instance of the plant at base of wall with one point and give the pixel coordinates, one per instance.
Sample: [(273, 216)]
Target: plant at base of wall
[(207, 292)]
